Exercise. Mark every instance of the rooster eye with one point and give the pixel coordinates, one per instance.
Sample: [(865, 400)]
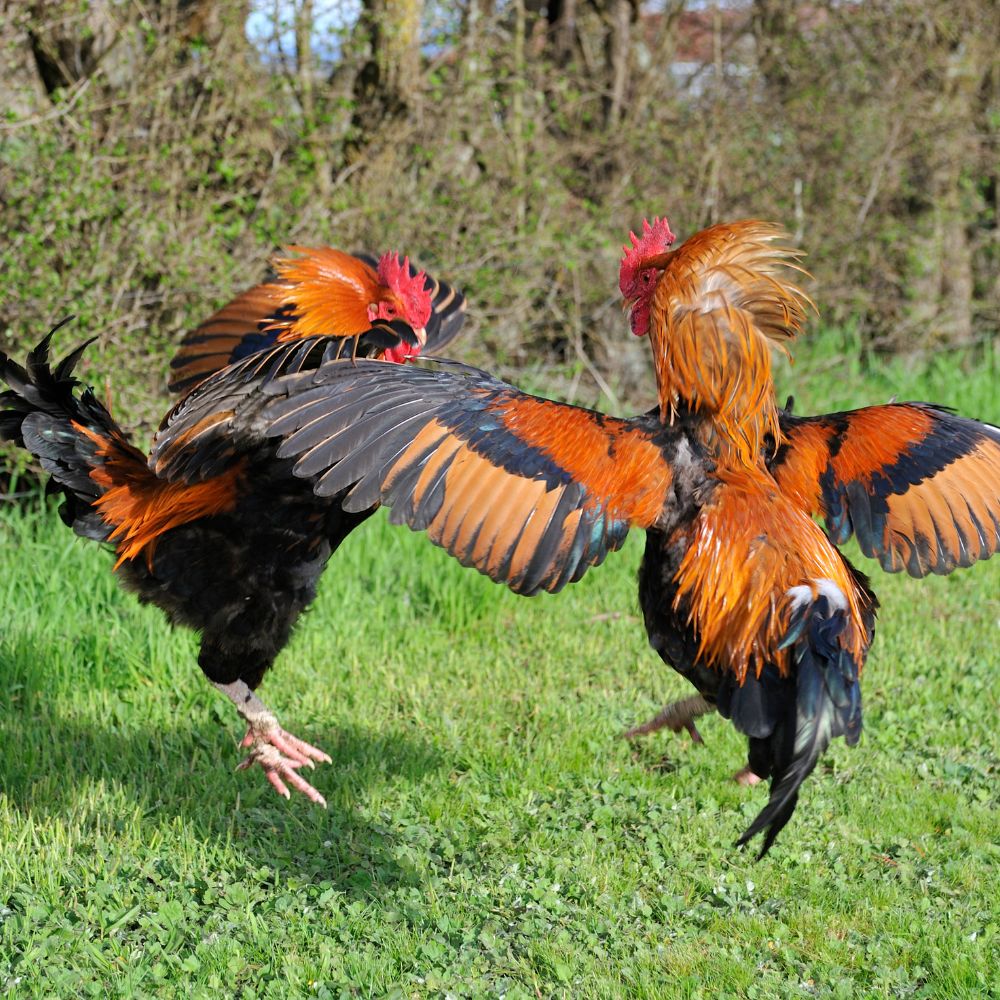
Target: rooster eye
[(390, 309)]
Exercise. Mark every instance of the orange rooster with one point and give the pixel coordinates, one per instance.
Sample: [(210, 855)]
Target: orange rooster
[(916, 485), (235, 549), (742, 592)]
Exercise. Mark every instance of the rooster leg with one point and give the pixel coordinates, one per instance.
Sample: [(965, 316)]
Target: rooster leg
[(680, 715), (279, 753), (676, 716)]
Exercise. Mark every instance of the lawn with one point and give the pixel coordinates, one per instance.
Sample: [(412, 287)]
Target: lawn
[(488, 832)]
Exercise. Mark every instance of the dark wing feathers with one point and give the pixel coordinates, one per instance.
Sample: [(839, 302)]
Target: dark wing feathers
[(447, 315), (227, 403), (237, 326), (526, 490), (918, 486), (217, 420), (407, 418), (482, 467)]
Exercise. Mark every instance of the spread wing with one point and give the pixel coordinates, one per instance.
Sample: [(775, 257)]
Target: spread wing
[(217, 421), (447, 315), (528, 491), (238, 329), (918, 486), (254, 319)]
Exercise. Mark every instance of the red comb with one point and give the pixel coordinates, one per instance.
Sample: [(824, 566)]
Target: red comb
[(655, 239), (411, 289)]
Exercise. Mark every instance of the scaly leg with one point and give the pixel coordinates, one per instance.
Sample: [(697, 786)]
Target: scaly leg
[(279, 753), (676, 716)]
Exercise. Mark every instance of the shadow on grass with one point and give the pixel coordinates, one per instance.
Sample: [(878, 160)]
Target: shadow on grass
[(120, 773)]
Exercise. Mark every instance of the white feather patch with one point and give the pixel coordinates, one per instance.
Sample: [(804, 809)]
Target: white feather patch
[(832, 593), (802, 594)]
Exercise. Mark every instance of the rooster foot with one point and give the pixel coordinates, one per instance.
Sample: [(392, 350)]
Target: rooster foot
[(281, 754), (746, 777), (676, 716), (278, 752)]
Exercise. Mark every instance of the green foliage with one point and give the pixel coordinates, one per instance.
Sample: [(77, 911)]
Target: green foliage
[(488, 832), (140, 201)]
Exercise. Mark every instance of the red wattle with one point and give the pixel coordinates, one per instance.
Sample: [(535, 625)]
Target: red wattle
[(401, 353)]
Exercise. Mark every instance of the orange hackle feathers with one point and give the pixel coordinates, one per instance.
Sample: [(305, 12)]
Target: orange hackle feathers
[(332, 292), (723, 299), (142, 507), (318, 291), (748, 547)]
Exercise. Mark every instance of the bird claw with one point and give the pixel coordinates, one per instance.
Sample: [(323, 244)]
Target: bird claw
[(654, 724), (692, 729), (746, 777), (278, 752), (677, 716), (281, 755)]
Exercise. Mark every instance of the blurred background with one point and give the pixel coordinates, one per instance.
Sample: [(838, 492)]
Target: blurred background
[(153, 154)]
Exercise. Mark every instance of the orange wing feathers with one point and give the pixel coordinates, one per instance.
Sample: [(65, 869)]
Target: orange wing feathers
[(722, 300), (529, 491), (917, 485), (498, 521), (210, 347), (612, 459)]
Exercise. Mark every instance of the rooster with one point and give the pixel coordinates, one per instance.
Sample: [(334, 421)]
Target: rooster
[(916, 485), (236, 548), (741, 590)]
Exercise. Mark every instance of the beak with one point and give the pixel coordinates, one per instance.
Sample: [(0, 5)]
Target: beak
[(627, 304), (421, 336)]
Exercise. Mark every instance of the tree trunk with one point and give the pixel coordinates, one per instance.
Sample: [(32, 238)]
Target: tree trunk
[(68, 40), (618, 48), (775, 31), (388, 85), (561, 17), (305, 82), (940, 282)]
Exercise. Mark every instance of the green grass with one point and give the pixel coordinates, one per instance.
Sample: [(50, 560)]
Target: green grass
[(488, 833)]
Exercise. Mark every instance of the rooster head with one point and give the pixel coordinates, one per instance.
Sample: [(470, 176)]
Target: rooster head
[(641, 266), (331, 293), (408, 299)]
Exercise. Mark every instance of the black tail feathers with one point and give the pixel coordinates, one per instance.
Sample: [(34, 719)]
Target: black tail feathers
[(42, 413), (791, 720)]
